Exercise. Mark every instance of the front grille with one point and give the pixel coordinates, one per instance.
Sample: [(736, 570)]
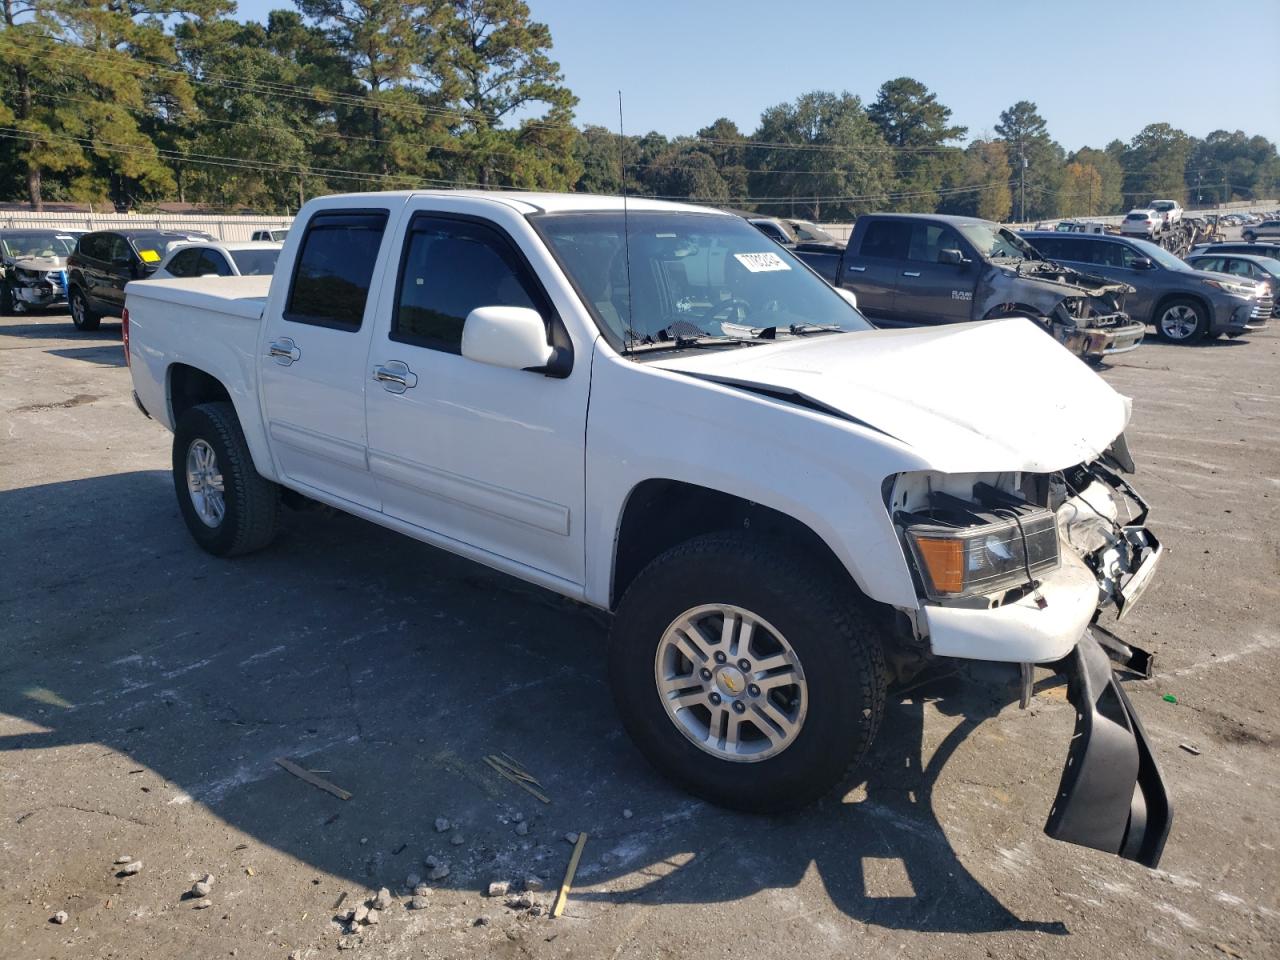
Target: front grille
[(1264, 308)]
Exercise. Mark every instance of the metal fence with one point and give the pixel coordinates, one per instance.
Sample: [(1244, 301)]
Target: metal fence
[(221, 227)]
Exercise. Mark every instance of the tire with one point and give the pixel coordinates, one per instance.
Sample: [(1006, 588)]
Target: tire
[(250, 505), (837, 706), (1181, 320), (6, 300), (82, 316), (1249, 237)]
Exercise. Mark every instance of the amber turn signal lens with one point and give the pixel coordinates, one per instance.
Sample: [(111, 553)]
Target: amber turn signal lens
[(944, 560)]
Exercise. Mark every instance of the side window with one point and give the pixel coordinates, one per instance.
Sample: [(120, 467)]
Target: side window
[(1127, 255), (1238, 267), (91, 247), (888, 239), (334, 269), (928, 239), (183, 263), (118, 249), (1212, 264), (1050, 247), (449, 268), (212, 262)]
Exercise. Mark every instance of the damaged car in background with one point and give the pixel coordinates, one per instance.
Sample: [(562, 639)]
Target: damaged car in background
[(916, 269), (33, 269)]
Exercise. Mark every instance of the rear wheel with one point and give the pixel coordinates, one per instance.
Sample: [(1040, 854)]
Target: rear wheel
[(81, 315), (744, 673), (229, 508), (1181, 321), (1250, 237)]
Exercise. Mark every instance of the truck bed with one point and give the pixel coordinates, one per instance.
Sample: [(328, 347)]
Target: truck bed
[(211, 323)]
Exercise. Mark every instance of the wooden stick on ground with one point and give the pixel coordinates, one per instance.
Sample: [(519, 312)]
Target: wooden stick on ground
[(304, 774), (511, 777), (558, 907)]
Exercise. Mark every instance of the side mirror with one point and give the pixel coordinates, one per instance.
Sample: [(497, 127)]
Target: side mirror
[(512, 337), (950, 256), (1142, 263), (848, 295)]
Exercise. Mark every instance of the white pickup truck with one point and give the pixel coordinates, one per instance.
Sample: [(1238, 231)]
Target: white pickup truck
[(653, 409)]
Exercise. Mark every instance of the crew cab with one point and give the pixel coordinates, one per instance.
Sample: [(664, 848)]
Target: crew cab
[(908, 268), (655, 410)]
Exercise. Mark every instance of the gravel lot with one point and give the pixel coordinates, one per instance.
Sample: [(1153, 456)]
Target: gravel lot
[(146, 690)]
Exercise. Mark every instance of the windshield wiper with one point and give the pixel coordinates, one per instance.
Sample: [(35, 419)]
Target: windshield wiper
[(798, 329)]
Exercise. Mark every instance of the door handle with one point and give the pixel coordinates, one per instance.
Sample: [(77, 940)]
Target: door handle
[(284, 351), (395, 376), (911, 273), (858, 269)]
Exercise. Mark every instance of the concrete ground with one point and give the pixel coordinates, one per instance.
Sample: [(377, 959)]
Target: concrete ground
[(146, 690)]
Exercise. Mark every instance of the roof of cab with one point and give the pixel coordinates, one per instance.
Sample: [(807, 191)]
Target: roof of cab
[(529, 202)]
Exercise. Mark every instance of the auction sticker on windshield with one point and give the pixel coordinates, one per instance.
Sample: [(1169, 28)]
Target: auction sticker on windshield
[(761, 262), (149, 256)]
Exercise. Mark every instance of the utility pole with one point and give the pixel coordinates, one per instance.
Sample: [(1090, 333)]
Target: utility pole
[(1022, 183)]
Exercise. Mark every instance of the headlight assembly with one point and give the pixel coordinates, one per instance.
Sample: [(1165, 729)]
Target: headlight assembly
[(995, 542), (1235, 289)]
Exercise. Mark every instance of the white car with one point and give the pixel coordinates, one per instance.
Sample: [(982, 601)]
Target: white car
[(1170, 211), (655, 410), (276, 235), (219, 259), (1143, 222)]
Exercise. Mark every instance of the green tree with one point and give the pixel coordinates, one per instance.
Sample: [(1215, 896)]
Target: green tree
[(85, 75), (843, 166), (725, 144), (978, 184), (493, 58), (1037, 161), (1232, 164), (1155, 165), (918, 127)]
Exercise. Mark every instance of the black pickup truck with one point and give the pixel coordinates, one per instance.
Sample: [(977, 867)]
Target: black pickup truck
[(909, 268)]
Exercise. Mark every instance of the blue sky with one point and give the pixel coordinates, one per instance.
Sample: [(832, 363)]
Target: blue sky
[(1094, 68)]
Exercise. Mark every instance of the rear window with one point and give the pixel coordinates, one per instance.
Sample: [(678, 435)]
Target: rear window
[(335, 267), (255, 263), (1137, 216)]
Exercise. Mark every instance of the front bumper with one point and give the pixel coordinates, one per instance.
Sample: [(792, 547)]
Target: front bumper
[(40, 293), (1107, 336), (1243, 316), (1112, 796)]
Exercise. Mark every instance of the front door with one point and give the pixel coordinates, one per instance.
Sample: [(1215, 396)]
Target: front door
[(873, 273), (482, 455), (313, 353), (930, 291)]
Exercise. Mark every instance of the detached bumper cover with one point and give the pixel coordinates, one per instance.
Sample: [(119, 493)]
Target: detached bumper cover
[(1107, 336), (1112, 797)]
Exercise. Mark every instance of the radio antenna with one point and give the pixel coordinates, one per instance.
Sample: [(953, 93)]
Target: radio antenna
[(626, 223)]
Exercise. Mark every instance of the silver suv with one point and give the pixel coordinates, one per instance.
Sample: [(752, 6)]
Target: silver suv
[(1267, 228), (1184, 304)]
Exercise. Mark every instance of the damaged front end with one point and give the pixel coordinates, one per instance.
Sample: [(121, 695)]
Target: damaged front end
[(36, 282), (1020, 567), (1083, 312)]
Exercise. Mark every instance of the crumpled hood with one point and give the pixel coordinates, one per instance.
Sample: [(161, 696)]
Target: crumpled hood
[(41, 264), (986, 396)]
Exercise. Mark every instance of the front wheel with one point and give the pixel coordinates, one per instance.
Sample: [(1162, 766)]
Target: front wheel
[(1181, 321), (744, 673), (81, 315), (229, 508), (1250, 237), (7, 303)]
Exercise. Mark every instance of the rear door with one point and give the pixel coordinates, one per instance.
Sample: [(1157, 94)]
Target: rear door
[(930, 291), (481, 455), (872, 272), (313, 352)]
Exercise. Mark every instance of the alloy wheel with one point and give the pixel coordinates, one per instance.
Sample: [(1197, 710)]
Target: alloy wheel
[(204, 483), (731, 683)]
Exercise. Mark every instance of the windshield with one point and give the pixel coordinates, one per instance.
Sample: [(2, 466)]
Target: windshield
[(690, 275), (255, 263), (810, 232), (995, 241), (1270, 265), (38, 244)]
